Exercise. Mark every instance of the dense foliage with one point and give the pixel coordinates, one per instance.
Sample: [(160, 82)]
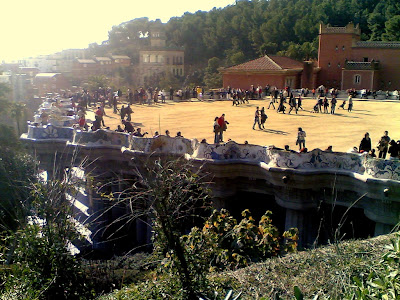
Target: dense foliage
[(248, 29)]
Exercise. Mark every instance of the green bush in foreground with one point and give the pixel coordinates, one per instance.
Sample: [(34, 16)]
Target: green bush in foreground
[(41, 265), (383, 282)]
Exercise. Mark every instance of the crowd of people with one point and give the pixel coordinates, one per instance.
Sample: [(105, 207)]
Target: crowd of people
[(84, 100), (385, 146)]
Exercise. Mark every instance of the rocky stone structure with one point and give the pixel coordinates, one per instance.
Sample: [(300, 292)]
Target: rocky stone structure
[(295, 185)]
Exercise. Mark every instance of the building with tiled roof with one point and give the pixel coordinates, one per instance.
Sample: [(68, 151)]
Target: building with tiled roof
[(273, 70), (159, 58), (50, 83), (346, 62)]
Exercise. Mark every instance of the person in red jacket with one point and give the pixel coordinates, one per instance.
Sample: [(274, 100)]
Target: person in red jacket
[(222, 126)]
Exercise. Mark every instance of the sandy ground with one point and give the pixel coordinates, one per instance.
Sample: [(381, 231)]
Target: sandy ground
[(342, 130)]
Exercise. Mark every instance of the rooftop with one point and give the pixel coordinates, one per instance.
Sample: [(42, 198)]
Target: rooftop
[(359, 65), (120, 57), (377, 44), (47, 75), (102, 58), (268, 62), (85, 61)]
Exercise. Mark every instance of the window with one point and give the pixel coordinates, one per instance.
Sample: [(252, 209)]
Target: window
[(338, 65), (329, 64), (336, 48), (357, 79), (167, 60), (342, 48), (180, 71), (365, 59)]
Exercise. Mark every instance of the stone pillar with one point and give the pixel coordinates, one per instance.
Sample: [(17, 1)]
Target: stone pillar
[(381, 228), (303, 221), (384, 213), (299, 207)]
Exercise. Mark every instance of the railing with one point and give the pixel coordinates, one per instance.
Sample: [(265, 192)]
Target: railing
[(316, 160), (49, 132)]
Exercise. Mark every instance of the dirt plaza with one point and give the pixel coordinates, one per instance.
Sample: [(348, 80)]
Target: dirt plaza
[(195, 119)]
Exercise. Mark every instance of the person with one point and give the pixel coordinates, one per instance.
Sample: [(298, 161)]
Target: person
[(128, 111), (139, 133), (264, 117), (301, 138), (171, 93), (333, 105), (167, 133), (281, 106), (372, 153), (96, 125), (257, 117), (179, 134), (292, 103), (365, 145), (156, 134), (289, 150), (123, 112), (383, 145), (343, 104), (350, 107), (393, 150), (99, 115), (82, 123), (299, 103), (115, 104), (320, 103), (216, 129), (329, 149), (325, 104), (162, 96), (44, 117), (222, 123), (271, 102), (128, 126), (119, 129)]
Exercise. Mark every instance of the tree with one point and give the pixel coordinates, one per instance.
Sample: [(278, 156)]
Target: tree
[(18, 111), (392, 29), (42, 264), (175, 198), (17, 174), (4, 95), (96, 82)]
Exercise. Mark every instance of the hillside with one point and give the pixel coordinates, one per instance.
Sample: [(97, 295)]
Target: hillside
[(326, 271)]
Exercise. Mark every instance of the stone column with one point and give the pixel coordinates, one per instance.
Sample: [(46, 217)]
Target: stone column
[(299, 208), (381, 228)]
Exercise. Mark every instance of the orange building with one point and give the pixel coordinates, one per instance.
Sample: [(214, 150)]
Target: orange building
[(346, 62), (50, 83), (278, 71)]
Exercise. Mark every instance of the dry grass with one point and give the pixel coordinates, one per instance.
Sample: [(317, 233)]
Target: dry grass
[(324, 271)]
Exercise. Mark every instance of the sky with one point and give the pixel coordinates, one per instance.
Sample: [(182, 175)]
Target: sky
[(32, 28)]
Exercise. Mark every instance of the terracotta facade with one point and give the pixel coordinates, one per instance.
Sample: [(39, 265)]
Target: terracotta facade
[(344, 62)]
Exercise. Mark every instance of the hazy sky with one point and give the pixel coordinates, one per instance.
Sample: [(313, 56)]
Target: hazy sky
[(31, 28)]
